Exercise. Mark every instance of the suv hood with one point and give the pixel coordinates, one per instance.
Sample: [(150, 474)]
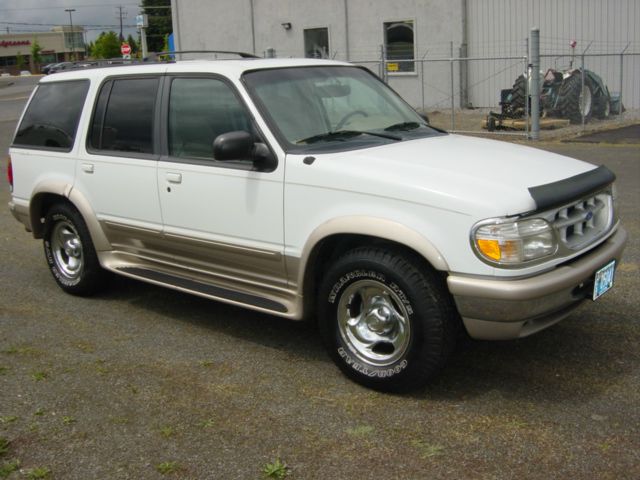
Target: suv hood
[(456, 173)]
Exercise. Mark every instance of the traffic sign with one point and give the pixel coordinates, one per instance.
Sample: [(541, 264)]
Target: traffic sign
[(125, 49)]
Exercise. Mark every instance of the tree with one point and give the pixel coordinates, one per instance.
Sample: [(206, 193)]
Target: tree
[(107, 45), (159, 22), (20, 61), (36, 58)]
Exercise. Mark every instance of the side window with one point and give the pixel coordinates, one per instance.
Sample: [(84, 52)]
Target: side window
[(123, 117), (200, 109), (52, 118)]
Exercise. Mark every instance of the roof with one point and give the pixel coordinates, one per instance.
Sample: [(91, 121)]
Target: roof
[(228, 68)]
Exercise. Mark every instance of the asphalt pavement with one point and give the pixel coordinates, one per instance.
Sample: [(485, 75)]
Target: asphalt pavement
[(145, 382)]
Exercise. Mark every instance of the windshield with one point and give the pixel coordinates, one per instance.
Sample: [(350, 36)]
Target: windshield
[(333, 104)]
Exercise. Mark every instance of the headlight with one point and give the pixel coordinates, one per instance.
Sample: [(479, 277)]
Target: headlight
[(514, 242)]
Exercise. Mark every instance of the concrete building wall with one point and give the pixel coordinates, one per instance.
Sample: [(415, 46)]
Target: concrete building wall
[(356, 24), (490, 28)]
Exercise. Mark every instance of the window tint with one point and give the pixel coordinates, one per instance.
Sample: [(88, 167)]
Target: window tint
[(127, 123), (200, 109), (52, 118)]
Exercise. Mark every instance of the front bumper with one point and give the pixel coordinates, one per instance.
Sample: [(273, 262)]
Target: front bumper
[(504, 309)]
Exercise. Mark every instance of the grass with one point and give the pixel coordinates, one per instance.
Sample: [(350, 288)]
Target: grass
[(277, 469), (39, 412), (39, 376), (38, 472), (8, 419), (167, 431), (360, 431), (428, 450), (167, 467), (208, 423), (25, 350), (3, 370), (68, 420), (8, 468), (4, 445)]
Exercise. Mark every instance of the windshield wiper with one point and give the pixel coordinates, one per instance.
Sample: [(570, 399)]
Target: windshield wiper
[(344, 134), (403, 126)]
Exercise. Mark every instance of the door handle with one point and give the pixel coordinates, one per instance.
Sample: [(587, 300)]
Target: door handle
[(174, 177), (87, 167)]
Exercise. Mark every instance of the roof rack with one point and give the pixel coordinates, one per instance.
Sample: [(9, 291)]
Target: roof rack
[(226, 52), (161, 57), (108, 62)]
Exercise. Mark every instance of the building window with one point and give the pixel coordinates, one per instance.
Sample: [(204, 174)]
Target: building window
[(316, 43), (399, 40)]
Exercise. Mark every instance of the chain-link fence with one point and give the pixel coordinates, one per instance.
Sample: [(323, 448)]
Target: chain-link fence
[(488, 93)]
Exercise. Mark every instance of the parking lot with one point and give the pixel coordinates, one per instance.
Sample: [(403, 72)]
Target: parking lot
[(145, 382)]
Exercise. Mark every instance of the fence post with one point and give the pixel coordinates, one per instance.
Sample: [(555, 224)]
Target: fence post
[(534, 58), (525, 72), (621, 76), (453, 115), (464, 76), (582, 96)]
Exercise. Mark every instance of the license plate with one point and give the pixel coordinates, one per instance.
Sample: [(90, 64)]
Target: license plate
[(604, 279)]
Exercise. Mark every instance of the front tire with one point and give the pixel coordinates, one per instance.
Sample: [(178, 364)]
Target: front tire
[(388, 324), (70, 253)]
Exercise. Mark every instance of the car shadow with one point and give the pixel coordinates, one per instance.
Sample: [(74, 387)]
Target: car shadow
[(567, 361)]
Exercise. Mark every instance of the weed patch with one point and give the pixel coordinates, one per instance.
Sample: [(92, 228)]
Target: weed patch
[(167, 467), (37, 473), (360, 431), (8, 468), (4, 445), (428, 450), (39, 376), (277, 469)]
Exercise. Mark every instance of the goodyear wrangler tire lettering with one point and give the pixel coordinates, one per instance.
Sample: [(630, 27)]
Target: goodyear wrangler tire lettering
[(388, 324)]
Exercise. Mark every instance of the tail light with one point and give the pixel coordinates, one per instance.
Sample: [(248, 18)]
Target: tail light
[(10, 173)]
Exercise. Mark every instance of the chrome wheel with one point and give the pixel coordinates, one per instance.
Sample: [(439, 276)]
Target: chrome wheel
[(66, 249), (373, 322)]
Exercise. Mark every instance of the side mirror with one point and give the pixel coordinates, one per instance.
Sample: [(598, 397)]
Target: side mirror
[(233, 146), (240, 145)]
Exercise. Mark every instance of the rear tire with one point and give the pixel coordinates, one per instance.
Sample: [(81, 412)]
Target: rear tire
[(388, 324), (570, 98), (70, 253), (519, 95)]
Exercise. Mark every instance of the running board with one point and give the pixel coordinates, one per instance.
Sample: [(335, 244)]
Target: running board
[(181, 283)]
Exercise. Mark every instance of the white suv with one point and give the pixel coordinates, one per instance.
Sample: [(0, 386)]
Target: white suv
[(307, 188)]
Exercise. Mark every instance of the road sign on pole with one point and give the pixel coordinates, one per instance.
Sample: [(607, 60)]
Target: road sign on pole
[(125, 50)]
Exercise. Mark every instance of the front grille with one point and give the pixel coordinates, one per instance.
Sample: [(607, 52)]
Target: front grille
[(581, 223)]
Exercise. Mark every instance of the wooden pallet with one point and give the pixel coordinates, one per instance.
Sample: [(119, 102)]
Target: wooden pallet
[(520, 124)]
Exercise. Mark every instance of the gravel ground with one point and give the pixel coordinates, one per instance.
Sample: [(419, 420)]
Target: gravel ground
[(144, 382)]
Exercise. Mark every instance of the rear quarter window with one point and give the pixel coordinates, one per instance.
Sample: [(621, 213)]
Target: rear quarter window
[(51, 119)]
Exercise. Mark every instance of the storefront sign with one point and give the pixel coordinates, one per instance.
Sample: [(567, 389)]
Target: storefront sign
[(14, 43)]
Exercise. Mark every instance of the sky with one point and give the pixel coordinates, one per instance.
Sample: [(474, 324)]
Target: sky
[(41, 15)]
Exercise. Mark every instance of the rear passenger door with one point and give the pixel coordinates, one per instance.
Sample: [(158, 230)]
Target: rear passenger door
[(223, 218), (118, 172)]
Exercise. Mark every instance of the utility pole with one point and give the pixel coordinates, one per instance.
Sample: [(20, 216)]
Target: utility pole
[(73, 43), (121, 14)]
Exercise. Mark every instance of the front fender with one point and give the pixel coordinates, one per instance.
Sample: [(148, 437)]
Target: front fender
[(374, 227)]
